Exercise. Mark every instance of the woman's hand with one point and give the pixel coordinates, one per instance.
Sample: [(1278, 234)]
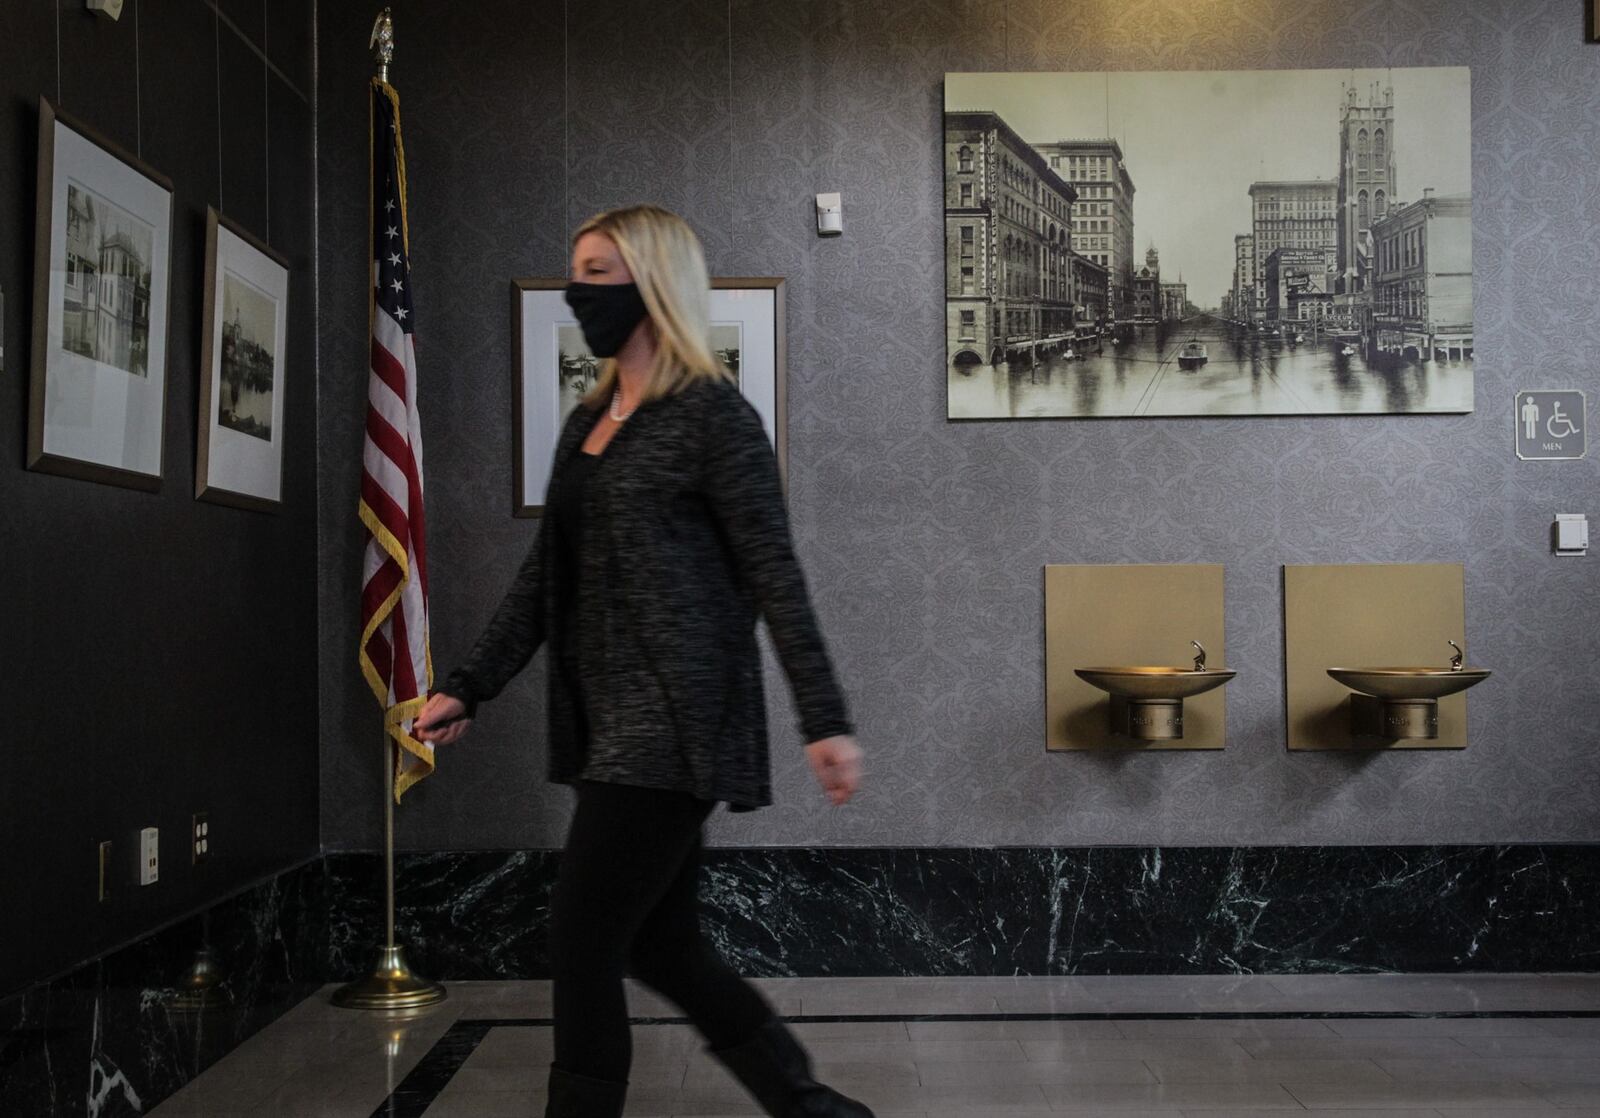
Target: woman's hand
[(837, 763), (434, 723)]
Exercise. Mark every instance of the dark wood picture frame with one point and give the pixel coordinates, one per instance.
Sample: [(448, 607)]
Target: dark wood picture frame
[(38, 458)]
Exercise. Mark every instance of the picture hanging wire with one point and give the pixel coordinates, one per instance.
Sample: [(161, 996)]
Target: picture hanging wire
[(138, 104), (732, 166), (216, 44), (566, 128), (266, 133)]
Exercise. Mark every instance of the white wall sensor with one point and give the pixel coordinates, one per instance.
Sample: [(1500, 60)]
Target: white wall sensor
[(830, 215), (1571, 533)]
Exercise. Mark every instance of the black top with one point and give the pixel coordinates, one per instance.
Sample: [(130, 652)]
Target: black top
[(684, 542), (566, 504)]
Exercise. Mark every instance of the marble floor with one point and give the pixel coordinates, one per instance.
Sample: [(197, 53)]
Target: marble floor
[(1377, 1046)]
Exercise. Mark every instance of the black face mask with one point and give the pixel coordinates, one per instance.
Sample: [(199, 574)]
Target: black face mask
[(607, 313)]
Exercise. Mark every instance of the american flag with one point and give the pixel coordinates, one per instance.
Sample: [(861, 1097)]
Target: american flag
[(395, 656)]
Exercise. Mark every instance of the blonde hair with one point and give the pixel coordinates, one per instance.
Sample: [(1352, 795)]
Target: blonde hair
[(669, 266)]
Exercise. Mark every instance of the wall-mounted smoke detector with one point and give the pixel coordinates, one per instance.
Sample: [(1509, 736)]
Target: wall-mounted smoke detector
[(108, 9)]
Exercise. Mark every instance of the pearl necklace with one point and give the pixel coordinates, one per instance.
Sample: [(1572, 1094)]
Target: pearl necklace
[(616, 402)]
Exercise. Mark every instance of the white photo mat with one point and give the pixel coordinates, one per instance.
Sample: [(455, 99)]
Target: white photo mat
[(747, 312), (239, 441), (100, 315)]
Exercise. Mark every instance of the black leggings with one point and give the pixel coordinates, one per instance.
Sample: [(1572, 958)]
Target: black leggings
[(626, 903)]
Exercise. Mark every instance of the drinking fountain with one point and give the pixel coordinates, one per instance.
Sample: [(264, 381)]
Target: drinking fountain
[(1403, 703), (1147, 702)]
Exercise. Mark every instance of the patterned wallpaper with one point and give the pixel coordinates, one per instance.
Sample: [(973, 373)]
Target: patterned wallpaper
[(924, 539)]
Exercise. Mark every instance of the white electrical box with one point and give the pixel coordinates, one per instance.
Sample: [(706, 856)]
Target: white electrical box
[(107, 9), (1572, 533), (149, 856), (830, 215)]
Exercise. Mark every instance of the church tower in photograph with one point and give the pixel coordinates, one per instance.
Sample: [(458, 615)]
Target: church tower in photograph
[(1366, 178)]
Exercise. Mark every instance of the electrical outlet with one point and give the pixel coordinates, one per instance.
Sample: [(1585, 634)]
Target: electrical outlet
[(104, 891), (200, 838), (149, 856)]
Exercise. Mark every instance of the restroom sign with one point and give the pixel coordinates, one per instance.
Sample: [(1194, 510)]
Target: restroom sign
[(1551, 425)]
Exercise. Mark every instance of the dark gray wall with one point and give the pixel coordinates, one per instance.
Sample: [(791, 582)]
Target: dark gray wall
[(923, 539), (159, 651)]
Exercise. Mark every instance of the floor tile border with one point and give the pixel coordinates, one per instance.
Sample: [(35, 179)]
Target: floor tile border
[(433, 1073)]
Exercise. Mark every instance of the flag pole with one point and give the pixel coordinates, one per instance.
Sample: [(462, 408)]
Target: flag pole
[(391, 985)]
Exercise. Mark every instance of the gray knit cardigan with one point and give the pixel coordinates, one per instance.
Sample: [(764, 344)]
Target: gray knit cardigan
[(684, 542)]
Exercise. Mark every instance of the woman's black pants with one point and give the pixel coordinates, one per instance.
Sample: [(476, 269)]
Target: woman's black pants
[(626, 903)]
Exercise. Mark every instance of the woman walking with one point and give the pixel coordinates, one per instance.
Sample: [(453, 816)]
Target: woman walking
[(664, 537)]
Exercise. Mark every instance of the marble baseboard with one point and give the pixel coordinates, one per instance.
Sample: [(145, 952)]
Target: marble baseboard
[(109, 1039), (860, 912), (114, 1037)]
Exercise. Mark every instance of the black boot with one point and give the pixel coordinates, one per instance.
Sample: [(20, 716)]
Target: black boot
[(776, 1070), (580, 1096)]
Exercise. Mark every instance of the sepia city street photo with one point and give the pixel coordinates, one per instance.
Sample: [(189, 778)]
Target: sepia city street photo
[(106, 297), (249, 329), (1213, 243)]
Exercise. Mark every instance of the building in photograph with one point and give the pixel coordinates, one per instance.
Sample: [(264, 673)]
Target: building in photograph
[(1244, 272), (1367, 184), (123, 304), (1299, 285), (1091, 288), (1008, 245), (81, 288), (1290, 214), (1147, 286), (1102, 217), (1422, 278), (106, 294), (1174, 300)]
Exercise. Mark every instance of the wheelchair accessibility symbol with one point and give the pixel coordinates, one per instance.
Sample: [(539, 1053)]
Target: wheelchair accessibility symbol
[(1566, 428), (1550, 425)]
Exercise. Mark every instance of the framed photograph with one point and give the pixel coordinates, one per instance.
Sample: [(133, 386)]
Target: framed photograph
[(102, 257), (239, 444), (1208, 243), (554, 368)]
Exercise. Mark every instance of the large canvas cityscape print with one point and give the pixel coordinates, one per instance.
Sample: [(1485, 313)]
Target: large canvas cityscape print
[(1282, 242)]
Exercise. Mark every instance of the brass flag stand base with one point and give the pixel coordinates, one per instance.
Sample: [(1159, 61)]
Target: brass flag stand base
[(390, 986)]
